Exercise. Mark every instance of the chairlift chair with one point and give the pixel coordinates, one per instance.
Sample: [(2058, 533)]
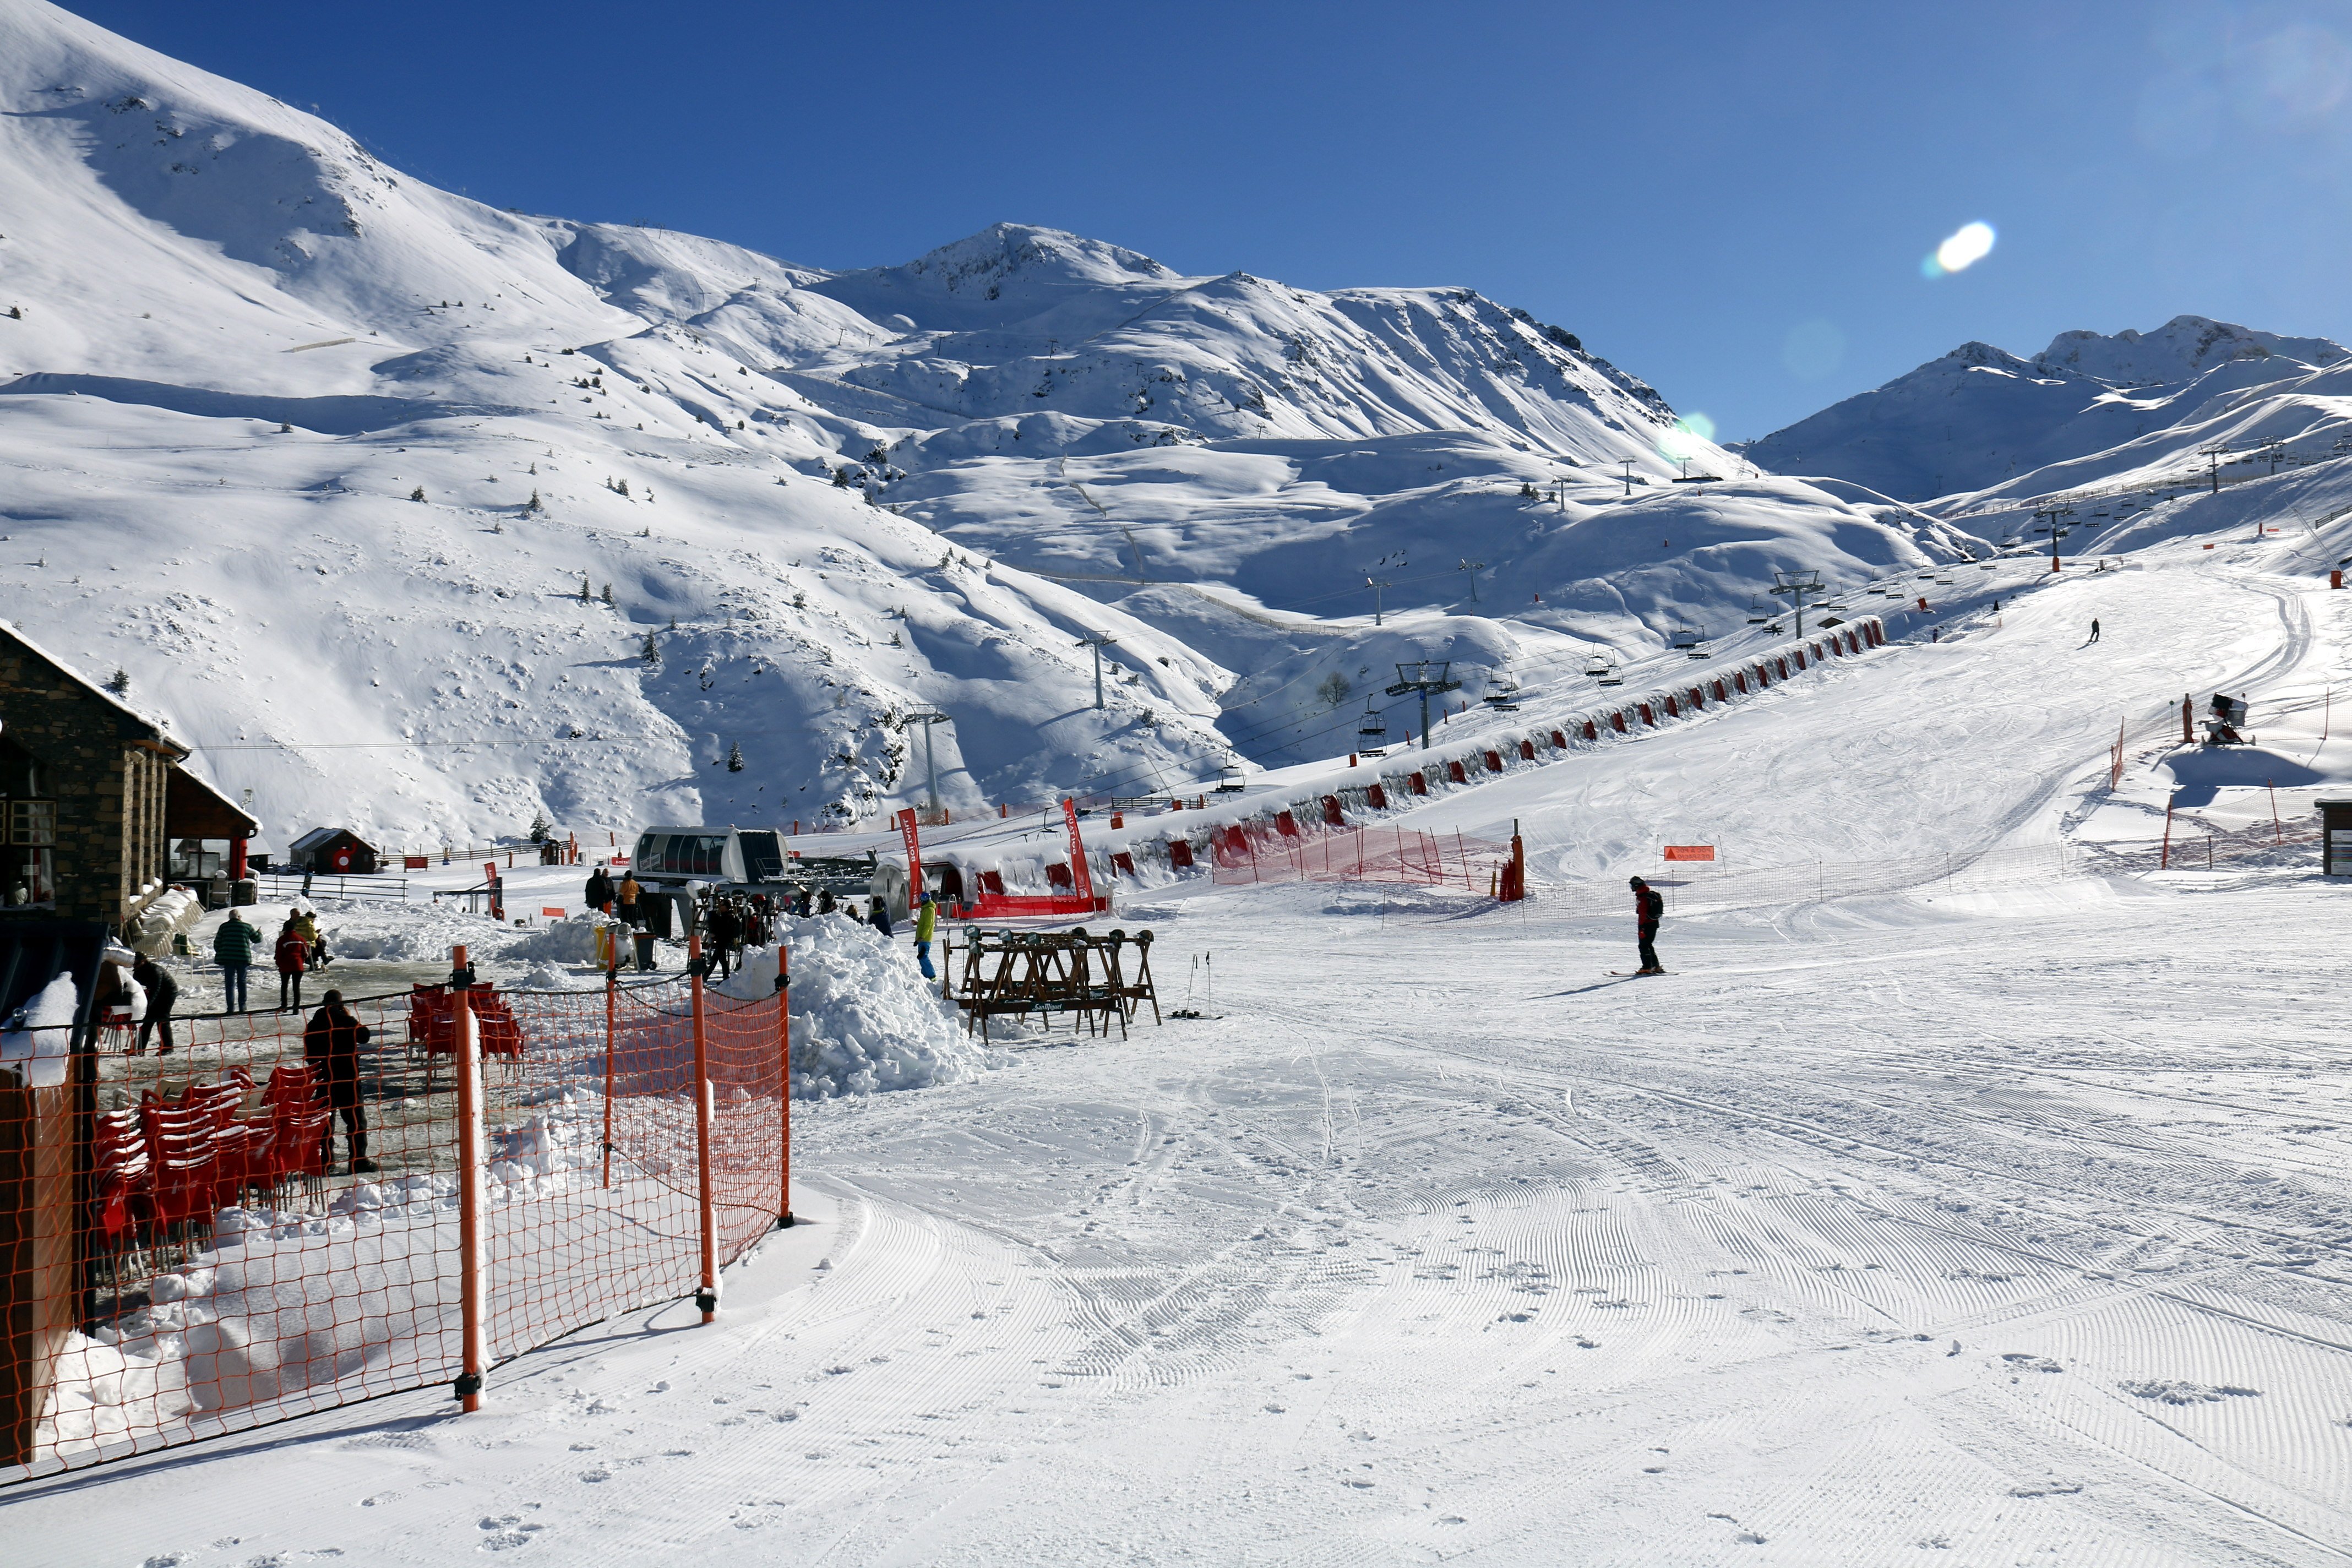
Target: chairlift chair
[(1596, 665), (1230, 779), (1611, 675), (1685, 635), (1758, 612), (1504, 695), (1372, 733)]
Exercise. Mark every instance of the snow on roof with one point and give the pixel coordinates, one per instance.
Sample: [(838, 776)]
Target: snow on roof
[(154, 727)]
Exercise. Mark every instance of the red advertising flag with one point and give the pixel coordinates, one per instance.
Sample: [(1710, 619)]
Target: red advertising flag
[(914, 856)]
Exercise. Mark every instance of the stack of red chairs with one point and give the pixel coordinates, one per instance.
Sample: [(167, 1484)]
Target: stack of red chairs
[(296, 1146), (119, 1172), (501, 1035), (433, 1024)]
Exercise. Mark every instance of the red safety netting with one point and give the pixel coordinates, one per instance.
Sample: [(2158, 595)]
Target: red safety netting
[(1257, 852), (272, 1217)]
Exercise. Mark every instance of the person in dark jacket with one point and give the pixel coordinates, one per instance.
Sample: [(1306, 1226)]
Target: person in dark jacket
[(330, 1044), (161, 992), (724, 928), (825, 903), (293, 957), (879, 916), (234, 946), (1649, 907), (600, 891)]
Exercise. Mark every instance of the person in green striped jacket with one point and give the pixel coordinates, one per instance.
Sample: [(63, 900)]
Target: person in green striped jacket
[(233, 947)]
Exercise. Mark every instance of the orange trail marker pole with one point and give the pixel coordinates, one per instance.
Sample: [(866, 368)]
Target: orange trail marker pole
[(612, 1029), (785, 1086), (473, 1352), (706, 1298)]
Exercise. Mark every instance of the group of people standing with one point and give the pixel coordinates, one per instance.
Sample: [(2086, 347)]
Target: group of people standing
[(299, 949)]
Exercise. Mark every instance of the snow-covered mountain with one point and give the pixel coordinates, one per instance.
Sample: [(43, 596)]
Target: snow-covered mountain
[(423, 517), (1982, 424)]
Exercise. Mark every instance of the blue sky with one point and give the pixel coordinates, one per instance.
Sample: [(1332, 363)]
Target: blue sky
[(1730, 201)]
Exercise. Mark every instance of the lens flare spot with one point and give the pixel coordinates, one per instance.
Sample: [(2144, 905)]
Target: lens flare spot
[(1970, 244), (1687, 438)]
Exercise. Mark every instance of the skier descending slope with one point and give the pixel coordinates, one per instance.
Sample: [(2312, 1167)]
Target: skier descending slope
[(1649, 905)]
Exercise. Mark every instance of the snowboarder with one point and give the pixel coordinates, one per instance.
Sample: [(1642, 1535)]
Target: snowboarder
[(1649, 905), (330, 1044), (293, 957), (233, 948), (2095, 628), (879, 917), (600, 891), (629, 892), (161, 992), (927, 920)]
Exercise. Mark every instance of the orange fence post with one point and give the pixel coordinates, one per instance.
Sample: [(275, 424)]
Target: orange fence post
[(707, 1297), (612, 1029), (784, 1087), (468, 1068), (2164, 859)]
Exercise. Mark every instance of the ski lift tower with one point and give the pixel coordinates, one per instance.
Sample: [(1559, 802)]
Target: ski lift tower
[(1473, 568), (1097, 642), (1796, 587), (1422, 681), (1377, 585), (2213, 455), (2056, 528), (930, 761)]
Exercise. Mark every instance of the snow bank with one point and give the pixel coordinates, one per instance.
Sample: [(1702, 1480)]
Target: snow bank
[(863, 1019), (563, 942), (40, 1034)]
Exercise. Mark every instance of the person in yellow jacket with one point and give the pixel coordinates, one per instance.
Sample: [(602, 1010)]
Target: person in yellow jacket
[(927, 920)]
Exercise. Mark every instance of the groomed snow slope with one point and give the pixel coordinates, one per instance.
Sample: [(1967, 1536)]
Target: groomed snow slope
[(2010, 1219)]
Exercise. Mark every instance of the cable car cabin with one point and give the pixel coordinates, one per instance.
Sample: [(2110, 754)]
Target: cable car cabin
[(1504, 697), (1230, 779), (672, 857)]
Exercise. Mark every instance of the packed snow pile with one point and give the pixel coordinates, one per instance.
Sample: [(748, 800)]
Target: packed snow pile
[(36, 1041), (863, 1019), (565, 942)]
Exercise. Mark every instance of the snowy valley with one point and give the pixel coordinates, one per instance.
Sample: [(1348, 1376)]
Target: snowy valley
[(1974, 1185)]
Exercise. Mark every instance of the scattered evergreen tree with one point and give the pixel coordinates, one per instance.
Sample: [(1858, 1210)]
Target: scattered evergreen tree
[(416, 494), (119, 683), (734, 759), (1527, 490), (15, 312), (608, 593), (841, 479), (536, 506), (583, 588), (540, 827), (651, 652), (878, 456), (284, 429)]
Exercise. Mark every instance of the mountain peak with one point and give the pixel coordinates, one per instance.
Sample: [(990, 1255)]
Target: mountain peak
[(1009, 274), (2183, 348)]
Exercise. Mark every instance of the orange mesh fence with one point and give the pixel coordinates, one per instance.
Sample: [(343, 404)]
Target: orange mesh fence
[(252, 1216), (1256, 852)]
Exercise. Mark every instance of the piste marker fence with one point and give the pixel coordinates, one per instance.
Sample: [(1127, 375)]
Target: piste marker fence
[(281, 1217), (1253, 852)]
